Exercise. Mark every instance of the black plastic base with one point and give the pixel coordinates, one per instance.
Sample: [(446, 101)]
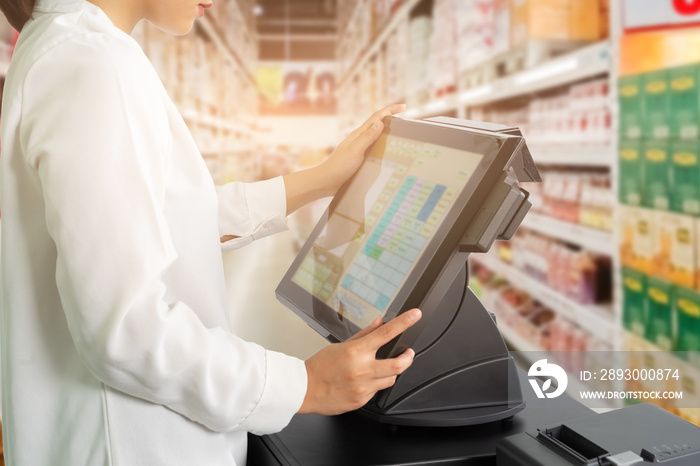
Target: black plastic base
[(448, 418), (462, 373)]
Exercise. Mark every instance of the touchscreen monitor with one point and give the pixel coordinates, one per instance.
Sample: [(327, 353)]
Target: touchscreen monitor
[(387, 223), (382, 224)]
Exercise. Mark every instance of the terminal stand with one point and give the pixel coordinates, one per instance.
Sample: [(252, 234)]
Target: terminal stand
[(462, 373)]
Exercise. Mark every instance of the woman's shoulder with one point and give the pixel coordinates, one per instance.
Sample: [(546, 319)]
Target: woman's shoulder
[(52, 46)]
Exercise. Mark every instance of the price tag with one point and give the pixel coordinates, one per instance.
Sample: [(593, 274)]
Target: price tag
[(652, 14)]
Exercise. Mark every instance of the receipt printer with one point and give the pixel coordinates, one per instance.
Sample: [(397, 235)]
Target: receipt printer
[(637, 435)]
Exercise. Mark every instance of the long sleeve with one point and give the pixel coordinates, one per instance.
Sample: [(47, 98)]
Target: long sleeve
[(251, 211), (99, 142)]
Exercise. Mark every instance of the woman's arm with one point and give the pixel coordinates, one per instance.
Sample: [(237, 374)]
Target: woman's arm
[(326, 179), (100, 149), (249, 211)]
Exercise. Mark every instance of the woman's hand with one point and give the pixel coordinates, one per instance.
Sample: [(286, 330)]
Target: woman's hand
[(344, 376), (348, 156), (326, 179)]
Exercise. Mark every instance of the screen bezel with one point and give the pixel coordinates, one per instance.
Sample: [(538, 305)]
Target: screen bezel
[(496, 150)]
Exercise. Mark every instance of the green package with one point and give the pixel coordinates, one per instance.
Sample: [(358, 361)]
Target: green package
[(634, 301), (657, 117), (684, 102), (685, 177), (659, 326), (686, 307), (657, 175), (631, 173), (631, 107)]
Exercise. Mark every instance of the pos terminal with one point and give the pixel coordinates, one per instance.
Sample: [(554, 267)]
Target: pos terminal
[(397, 236)]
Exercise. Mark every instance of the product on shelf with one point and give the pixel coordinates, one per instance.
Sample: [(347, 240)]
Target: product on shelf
[(659, 324), (554, 20), (540, 327), (663, 125), (634, 314), (631, 168), (685, 163), (597, 202), (657, 183), (637, 237), (655, 98), (697, 254), (661, 103), (665, 315), (582, 276), (631, 107), (674, 246), (684, 102), (580, 116), (581, 197), (686, 306)]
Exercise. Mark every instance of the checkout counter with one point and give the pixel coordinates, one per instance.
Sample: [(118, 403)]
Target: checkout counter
[(353, 439), (397, 236)]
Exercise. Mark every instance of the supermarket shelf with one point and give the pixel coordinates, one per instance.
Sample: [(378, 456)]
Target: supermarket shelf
[(210, 31), (523, 346), (597, 320), (358, 66), (587, 62), (588, 238), (604, 156), (642, 344)]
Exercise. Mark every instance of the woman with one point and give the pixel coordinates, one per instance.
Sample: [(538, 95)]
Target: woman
[(117, 347)]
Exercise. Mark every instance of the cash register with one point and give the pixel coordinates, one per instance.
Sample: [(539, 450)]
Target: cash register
[(397, 236)]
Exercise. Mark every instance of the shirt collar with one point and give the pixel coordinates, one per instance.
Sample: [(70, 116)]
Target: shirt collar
[(74, 6), (66, 6)]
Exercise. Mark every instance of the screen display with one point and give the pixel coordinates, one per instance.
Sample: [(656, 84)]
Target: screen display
[(382, 225)]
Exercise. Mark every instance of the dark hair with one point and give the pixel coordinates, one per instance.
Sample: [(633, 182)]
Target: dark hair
[(17, 12)]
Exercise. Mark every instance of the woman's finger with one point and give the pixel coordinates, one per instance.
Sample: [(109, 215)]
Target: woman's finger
[(376, 323)]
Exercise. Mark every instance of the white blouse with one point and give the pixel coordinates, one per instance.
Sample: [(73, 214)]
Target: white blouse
[(116, 343)]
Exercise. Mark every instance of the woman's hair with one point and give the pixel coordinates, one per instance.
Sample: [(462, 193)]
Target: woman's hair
[(17, 12)]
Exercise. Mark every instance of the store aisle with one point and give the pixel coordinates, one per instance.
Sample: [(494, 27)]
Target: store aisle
[(252, 274)]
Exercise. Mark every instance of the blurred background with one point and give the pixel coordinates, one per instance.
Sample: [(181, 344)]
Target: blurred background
[(605, 91)]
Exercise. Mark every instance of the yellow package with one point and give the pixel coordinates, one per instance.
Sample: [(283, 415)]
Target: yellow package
[(584, 19), (697, 255), (674, 253), (554, 20), (690, 385), (637, 238), (627, 229)]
